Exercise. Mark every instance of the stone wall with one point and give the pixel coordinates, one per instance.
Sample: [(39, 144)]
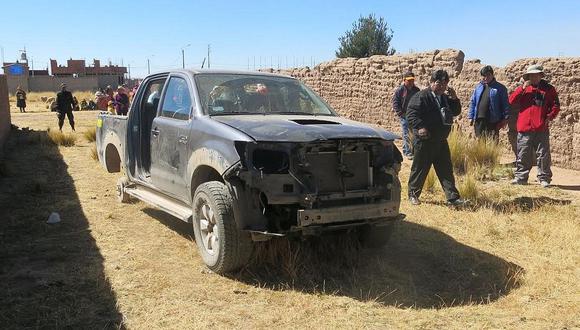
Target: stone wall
[(361, 89), (4, 112)]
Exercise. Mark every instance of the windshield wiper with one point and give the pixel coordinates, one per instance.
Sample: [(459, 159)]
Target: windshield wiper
[(299, 113)]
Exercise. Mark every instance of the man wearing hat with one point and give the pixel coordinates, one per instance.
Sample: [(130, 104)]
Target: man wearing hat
[(401, 98), (539, 104), (489, 107), (64, 106), (430, 114)]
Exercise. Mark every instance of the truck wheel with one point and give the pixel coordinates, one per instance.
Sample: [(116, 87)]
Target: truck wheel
[(122, 196), (223, 247), (375, 236)]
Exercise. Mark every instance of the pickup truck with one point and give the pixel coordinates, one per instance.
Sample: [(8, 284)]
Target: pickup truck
[(247, 156)]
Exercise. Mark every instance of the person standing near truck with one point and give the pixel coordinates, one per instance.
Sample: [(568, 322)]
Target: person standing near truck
[(64, 107), (121, 101), (21, 99), (401, 98), (430, 114)]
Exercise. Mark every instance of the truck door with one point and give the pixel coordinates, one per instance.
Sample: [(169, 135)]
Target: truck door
[(170, 139)]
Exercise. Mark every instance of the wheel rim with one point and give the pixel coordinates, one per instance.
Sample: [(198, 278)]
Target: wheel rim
[(208, 229)]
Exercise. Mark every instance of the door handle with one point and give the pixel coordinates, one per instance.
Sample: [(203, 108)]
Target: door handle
[(182, 139), (155, 132)]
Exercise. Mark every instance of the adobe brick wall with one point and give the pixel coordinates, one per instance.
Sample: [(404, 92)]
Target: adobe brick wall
[(361, 89), (4, 112)]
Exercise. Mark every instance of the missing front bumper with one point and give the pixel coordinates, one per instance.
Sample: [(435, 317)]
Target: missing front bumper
[(337, 215)]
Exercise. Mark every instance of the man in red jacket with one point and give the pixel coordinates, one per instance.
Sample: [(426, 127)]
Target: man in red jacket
[(539, 104)]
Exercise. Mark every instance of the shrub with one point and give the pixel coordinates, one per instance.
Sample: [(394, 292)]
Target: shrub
[(93, 153), (429, 184), (62, 139), (91, 134)]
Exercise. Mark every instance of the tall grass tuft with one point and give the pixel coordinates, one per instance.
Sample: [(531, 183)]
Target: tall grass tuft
[(429, 184), (62, 139), (93, 153), (457, 147), (91, 134), (468, 187)]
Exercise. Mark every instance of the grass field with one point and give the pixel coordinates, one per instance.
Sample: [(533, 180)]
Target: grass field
[(509, 261)]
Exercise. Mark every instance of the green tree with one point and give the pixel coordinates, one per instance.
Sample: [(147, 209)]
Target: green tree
[(369, 36)]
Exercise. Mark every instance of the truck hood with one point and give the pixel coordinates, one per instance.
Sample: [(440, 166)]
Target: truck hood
[(289, 128)]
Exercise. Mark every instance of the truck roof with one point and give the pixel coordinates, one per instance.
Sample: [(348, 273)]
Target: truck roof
[(212, 71)]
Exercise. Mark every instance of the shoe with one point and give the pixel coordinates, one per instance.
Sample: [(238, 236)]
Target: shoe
[(545, 184), (517, 181), (414, 200), (456, 202)]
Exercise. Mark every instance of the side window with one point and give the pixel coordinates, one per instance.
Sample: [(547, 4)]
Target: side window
[(151, 96), (177, 100)]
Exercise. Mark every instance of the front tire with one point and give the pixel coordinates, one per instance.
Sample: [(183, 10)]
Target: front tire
[(223, 247)]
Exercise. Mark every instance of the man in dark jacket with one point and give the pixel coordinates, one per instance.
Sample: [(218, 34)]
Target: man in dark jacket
[(489, 106), (539, 104), (401, 98), (64, 106), (430, 114)]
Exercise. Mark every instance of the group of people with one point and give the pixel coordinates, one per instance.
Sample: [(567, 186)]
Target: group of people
[(115, 102), (428, 115)]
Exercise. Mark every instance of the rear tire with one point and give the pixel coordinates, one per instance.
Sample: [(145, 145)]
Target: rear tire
[(376, 236), (223, 247)]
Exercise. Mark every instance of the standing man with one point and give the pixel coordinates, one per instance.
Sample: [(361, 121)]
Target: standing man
[(539, 104), (489, 107), (430, 114), (21, 99), (64, 106), (401, 99)]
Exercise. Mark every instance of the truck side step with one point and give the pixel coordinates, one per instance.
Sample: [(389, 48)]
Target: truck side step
[(167, 204)]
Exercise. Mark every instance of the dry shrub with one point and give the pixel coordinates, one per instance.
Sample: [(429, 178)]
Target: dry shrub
[(91, 134), (430, 181), (457, 147), (468, 187), (93, 153), (62, 139)]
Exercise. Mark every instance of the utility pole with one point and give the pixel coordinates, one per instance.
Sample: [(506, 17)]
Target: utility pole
[(2, 49), (148, 67), (129, 70)]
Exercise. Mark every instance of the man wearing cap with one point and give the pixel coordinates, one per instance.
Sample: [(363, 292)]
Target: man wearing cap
[(64, 106), (539, 104), (401, 98), (489, 107), (430, 114)]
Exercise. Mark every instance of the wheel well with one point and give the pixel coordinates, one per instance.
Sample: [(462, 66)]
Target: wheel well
[(204, 174), (112, 159)]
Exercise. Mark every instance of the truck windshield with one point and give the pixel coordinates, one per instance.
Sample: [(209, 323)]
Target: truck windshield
[(227, 94)]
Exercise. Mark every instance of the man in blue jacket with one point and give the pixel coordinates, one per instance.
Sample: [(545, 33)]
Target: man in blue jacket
[(489, 106)]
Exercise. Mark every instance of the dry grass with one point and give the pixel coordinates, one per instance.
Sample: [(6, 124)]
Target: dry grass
[(90, 134), (62, 139), (510, 262), (93, 153)]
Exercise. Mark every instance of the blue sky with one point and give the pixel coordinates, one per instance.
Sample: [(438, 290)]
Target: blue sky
[(278, 33)]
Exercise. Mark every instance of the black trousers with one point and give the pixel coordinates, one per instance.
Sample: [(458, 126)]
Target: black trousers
[(432, 152), (483, 128), (71, 119)]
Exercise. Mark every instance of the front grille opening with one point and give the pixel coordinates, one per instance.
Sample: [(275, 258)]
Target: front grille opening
[(271, 161)]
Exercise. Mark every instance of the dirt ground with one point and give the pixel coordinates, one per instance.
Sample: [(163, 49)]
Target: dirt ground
[(109, 265)]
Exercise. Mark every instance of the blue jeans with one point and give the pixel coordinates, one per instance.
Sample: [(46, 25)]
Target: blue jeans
[(407, 148)]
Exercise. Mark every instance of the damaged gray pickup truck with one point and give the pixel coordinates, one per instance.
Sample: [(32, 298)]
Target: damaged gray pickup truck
[(247, 156)]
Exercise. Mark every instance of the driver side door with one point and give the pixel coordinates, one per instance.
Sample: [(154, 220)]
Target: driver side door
[(170, 139)]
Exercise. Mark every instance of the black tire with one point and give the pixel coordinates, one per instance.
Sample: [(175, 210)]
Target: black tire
[(223, 247), (376, 236), (122, 196)]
